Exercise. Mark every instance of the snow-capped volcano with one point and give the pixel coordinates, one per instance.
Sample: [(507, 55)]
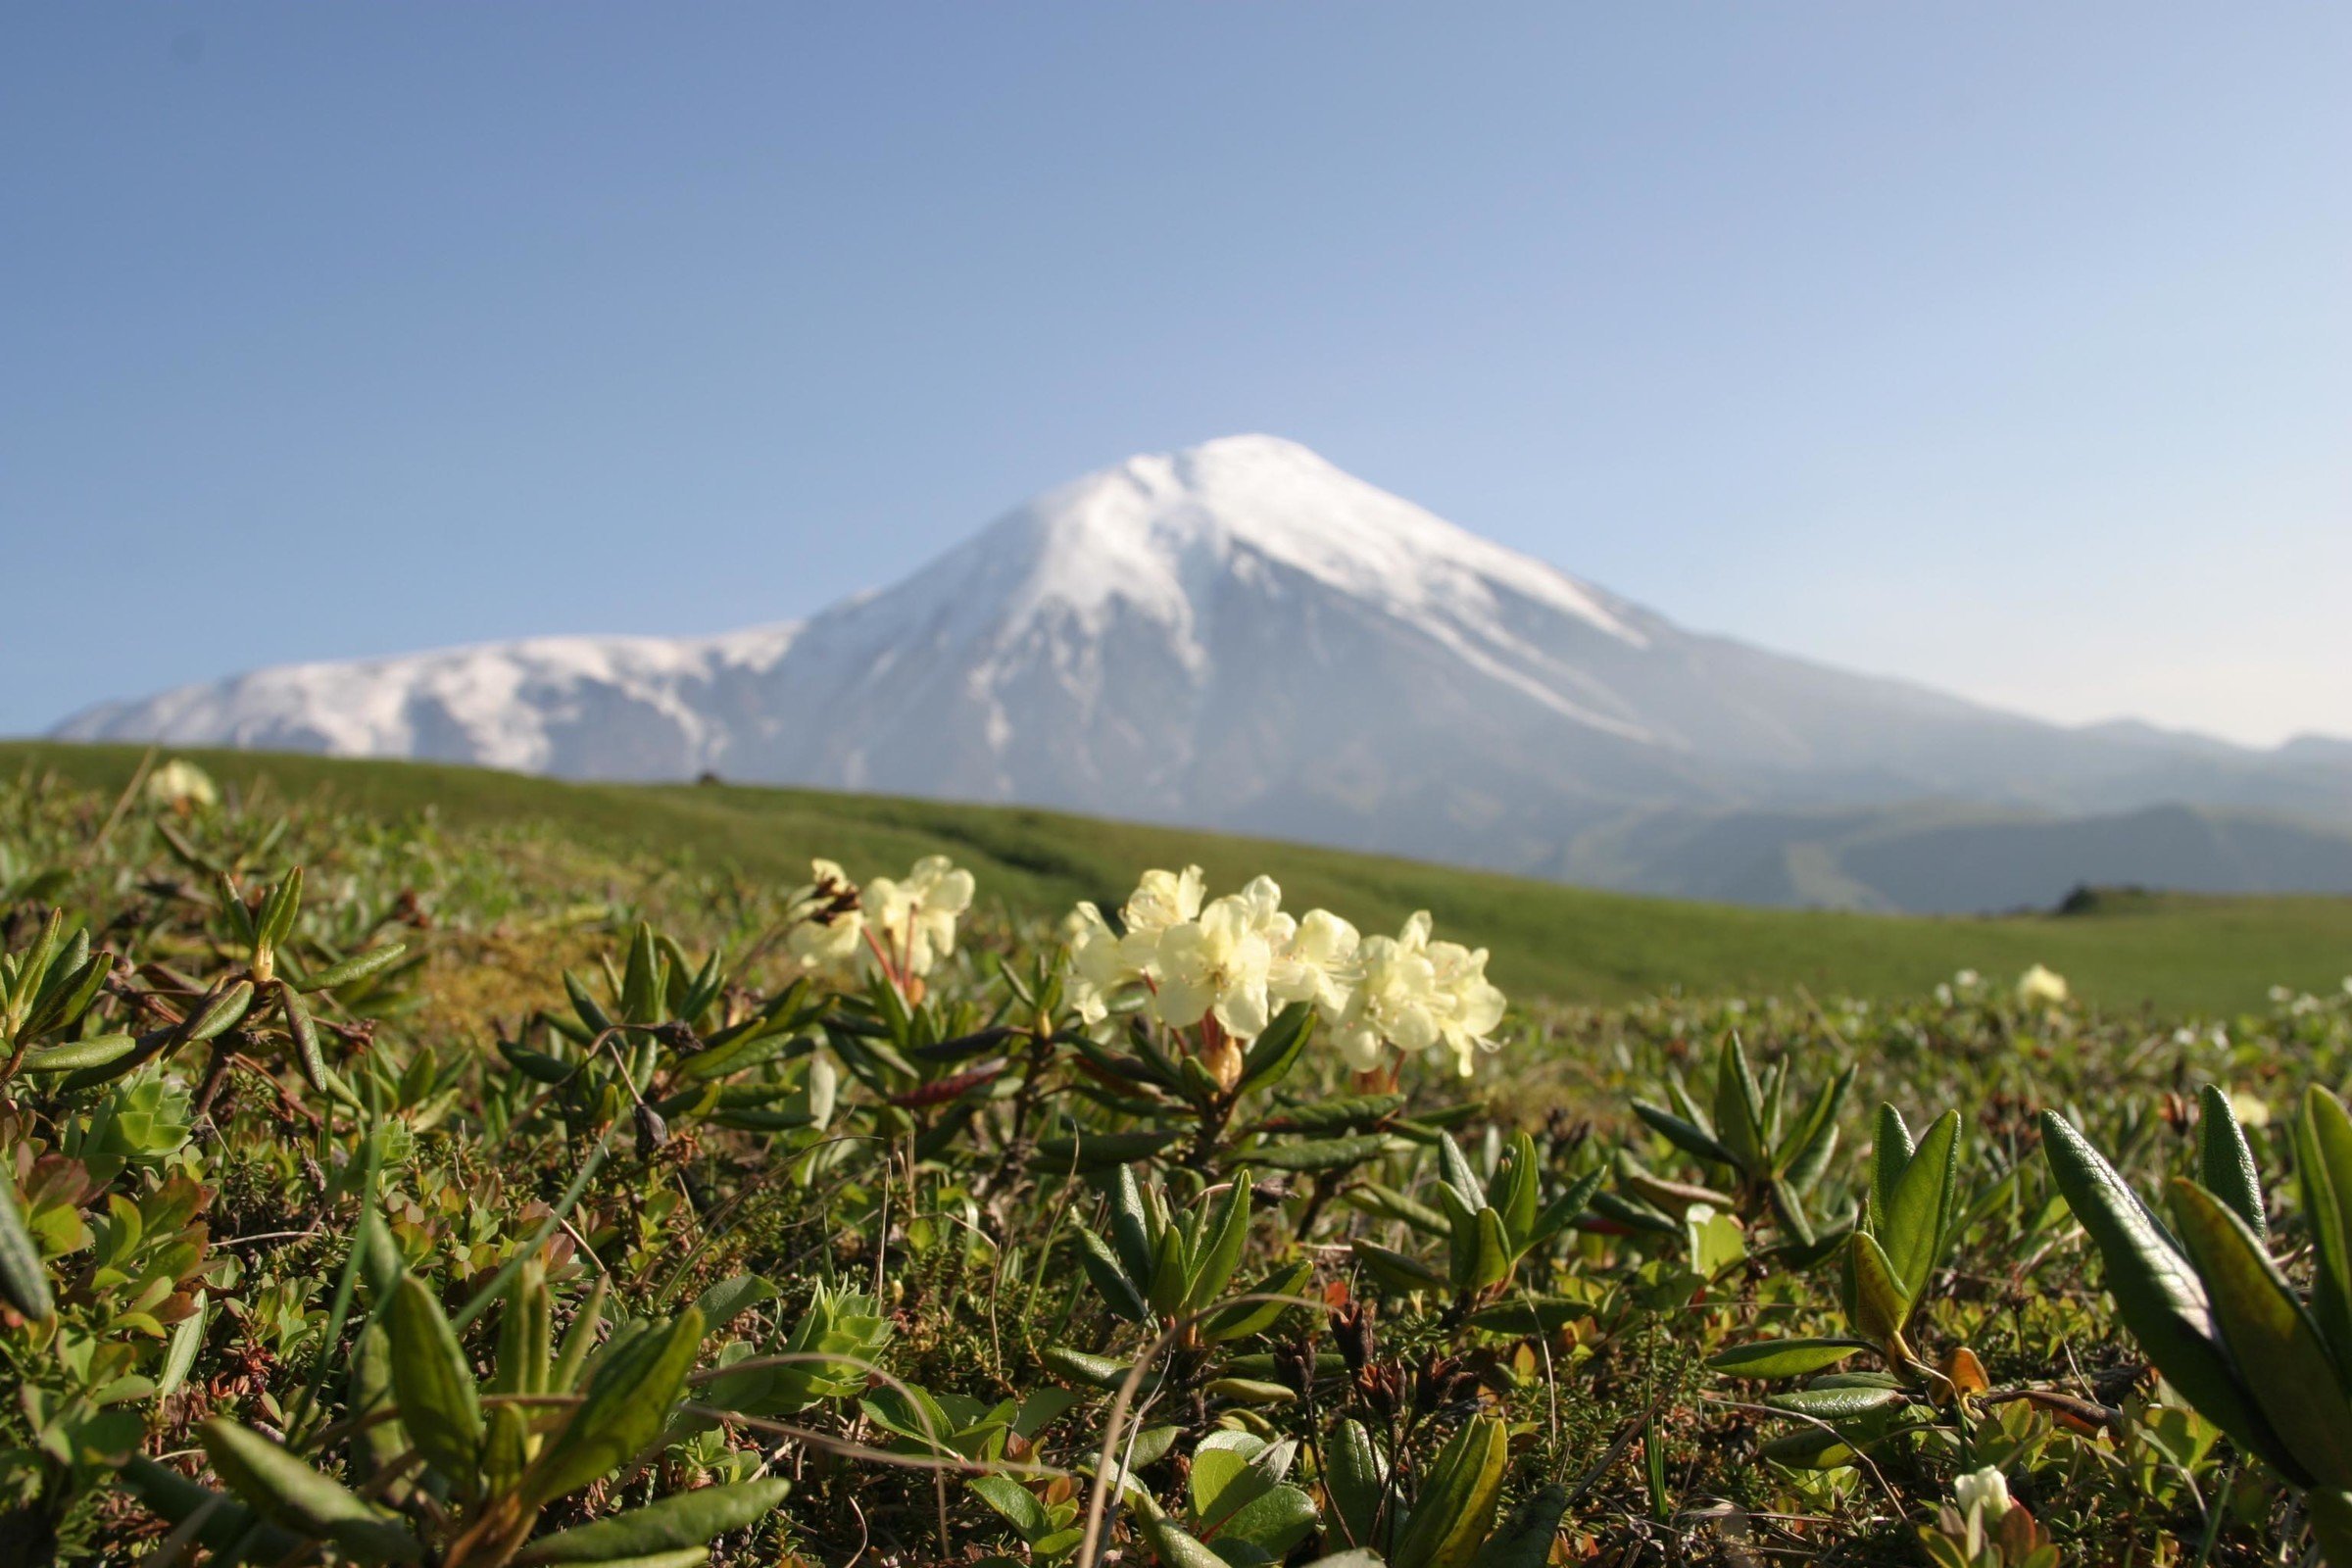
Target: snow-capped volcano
[(1236, 635)]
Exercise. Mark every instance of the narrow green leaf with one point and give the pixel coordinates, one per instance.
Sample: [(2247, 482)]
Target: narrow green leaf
[(627, 1404), (2225, 1161), (435, 1387), (2323, 1166), (291, 1494), (24, 1281), (1354, 1479), (1456, 1503), (1211, 1267), (687, 1519), (1101, 1266), (1782, 1358), (358, 967), (1526, 1538), (2274, 1342), (1912, 1228), (1686, 1136), (2159, 1296)]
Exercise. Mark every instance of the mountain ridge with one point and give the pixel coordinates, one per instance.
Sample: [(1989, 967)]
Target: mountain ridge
[(1239, 635)]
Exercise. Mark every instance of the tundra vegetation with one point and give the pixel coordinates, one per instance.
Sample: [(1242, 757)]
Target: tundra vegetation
[(380, 1192)]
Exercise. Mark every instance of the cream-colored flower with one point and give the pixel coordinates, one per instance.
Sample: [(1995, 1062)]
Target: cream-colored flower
[(1163, 898), (182, 785), (1102, 964), (1982, 1494), (2251, 1110), (2040, 987), (828, 931), (1317, 964), (1217, 964), (914, 919), (1419, 995)]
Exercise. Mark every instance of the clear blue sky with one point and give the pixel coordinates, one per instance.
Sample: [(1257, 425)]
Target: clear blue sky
[(2008, 347)]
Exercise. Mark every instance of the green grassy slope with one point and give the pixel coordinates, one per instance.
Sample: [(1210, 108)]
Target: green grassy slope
[(1570, 944)]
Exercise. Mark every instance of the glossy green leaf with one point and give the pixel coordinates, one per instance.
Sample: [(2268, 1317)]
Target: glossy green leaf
[(2272, 1339), (1685, 1135), (2225, 1161), (1354, 1479), (2158, 1295), (1455, 1505), (1525, 1537), (1782, 1358), (1109, 1278), (23, 1280), (292, 1494), (433, 1383), (627, 1402), (1916, 1220), (687, 1519), (2324, 1167), (1220, 1252), (358, 967)]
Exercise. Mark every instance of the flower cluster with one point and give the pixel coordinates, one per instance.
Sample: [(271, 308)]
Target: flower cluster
[(894, 928), (1238, 959), (2042, 987)]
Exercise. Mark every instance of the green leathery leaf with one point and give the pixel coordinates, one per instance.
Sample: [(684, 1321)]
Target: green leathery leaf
[(686, 1519), (1459, 1173), (438, 1403), (1080, 1367), (1891, 1155), (2272, 1339), (1526, 1537), (176, 1499), (1220, 1250), (1101, 1266), (1835, 1404), (219, 1013), (1686, 1136), (628, 1401), (1880, 1306), (1918, 1216), (304, 1031), (1319, 1153), (1276, 1051), (291, 1494), (1131, 1227), (1739, 1106), (1491, 1262), (1783, 1358), (505, 1448), (1240, 1319), (1806, 1151), (98, 1051), (1354, 1479), (1171, 1271), (1397, 1270), (2225, 1161), (188, 1338), (2323, 1166), (358, 967), (2159, 1296), (278, 910), (24, 1281), (579, 1339), (1456, 1503), (368, 1391)]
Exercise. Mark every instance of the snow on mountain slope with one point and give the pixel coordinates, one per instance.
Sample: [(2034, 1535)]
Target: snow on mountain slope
[(1238, 635)]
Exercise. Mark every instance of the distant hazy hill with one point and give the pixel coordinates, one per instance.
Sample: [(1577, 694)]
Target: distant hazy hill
[(1243, 636), (2177, 952)]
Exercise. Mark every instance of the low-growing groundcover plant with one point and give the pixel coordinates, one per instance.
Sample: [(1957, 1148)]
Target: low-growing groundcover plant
[(374, 1193)]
